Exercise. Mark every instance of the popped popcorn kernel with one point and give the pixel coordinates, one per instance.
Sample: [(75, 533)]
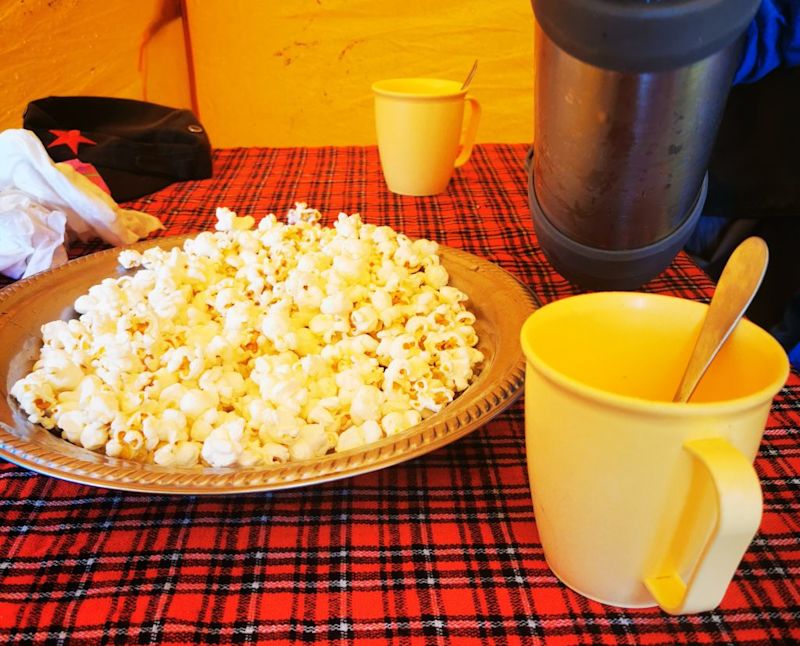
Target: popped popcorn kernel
[(257, 344)]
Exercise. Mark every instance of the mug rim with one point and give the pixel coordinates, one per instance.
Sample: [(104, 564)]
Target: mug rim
[(379, 87), (629, 402)]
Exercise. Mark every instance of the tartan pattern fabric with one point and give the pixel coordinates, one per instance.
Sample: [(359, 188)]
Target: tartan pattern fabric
[(439, 550)]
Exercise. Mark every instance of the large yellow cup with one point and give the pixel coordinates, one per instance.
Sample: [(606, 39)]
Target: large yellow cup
[(638, 500), (419, 126)]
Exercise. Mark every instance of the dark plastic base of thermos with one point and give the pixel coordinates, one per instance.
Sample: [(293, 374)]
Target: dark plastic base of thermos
[(608, 269)]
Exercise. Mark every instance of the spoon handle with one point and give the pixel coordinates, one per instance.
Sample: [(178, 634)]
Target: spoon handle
[(472, 71), (736, 287)]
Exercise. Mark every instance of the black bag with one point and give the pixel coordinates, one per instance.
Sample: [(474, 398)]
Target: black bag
[(136, 147)]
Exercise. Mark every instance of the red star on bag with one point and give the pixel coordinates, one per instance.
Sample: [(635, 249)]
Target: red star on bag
[(70, 138)]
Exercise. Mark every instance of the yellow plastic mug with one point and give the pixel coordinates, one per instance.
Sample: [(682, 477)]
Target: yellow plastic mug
[(418, 123), (640, 501)]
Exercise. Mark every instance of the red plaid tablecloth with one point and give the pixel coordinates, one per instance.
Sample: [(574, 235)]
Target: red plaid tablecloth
[(440, 550)]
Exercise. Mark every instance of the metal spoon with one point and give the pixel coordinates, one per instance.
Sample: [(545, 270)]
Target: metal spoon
[(736, 287), (468, 80)]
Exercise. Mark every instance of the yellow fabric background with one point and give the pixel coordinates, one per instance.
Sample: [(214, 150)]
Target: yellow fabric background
[(85, 47), (272, 73), (299, 73)]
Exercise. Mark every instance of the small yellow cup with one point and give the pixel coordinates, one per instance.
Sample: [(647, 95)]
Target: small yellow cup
[(419, 122), (640, 501)]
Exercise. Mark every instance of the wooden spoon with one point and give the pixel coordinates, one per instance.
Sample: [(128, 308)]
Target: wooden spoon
[(736, 287)]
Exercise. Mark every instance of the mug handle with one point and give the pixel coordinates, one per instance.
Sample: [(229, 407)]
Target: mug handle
[(465, 148), (739, 504)]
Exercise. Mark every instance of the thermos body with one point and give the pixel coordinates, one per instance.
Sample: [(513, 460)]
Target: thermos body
[(628, 98), (619, 157)]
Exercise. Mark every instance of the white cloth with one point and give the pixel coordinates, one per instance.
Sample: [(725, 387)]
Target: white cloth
[(31, 236), (42, 202)]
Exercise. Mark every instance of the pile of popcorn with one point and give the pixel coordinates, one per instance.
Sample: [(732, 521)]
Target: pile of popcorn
[(257, 346)]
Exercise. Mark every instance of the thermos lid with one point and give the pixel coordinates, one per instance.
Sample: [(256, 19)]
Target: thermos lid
[(643, 35)]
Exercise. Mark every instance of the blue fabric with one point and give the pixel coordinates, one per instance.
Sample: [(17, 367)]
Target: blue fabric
[(706, 236), (773, 40), (787, 331), (794, 357)]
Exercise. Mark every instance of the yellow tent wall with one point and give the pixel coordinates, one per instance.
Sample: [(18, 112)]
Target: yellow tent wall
[(267, 72), (86, 47)]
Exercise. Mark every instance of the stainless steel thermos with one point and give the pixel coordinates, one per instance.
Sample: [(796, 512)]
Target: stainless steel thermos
[(628, 98)]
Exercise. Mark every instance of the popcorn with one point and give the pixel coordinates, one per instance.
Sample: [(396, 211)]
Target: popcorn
[(227, 220), (223, 446), (257, 345)]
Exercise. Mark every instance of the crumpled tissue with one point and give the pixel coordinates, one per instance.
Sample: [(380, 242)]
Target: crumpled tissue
[(43, 204)]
